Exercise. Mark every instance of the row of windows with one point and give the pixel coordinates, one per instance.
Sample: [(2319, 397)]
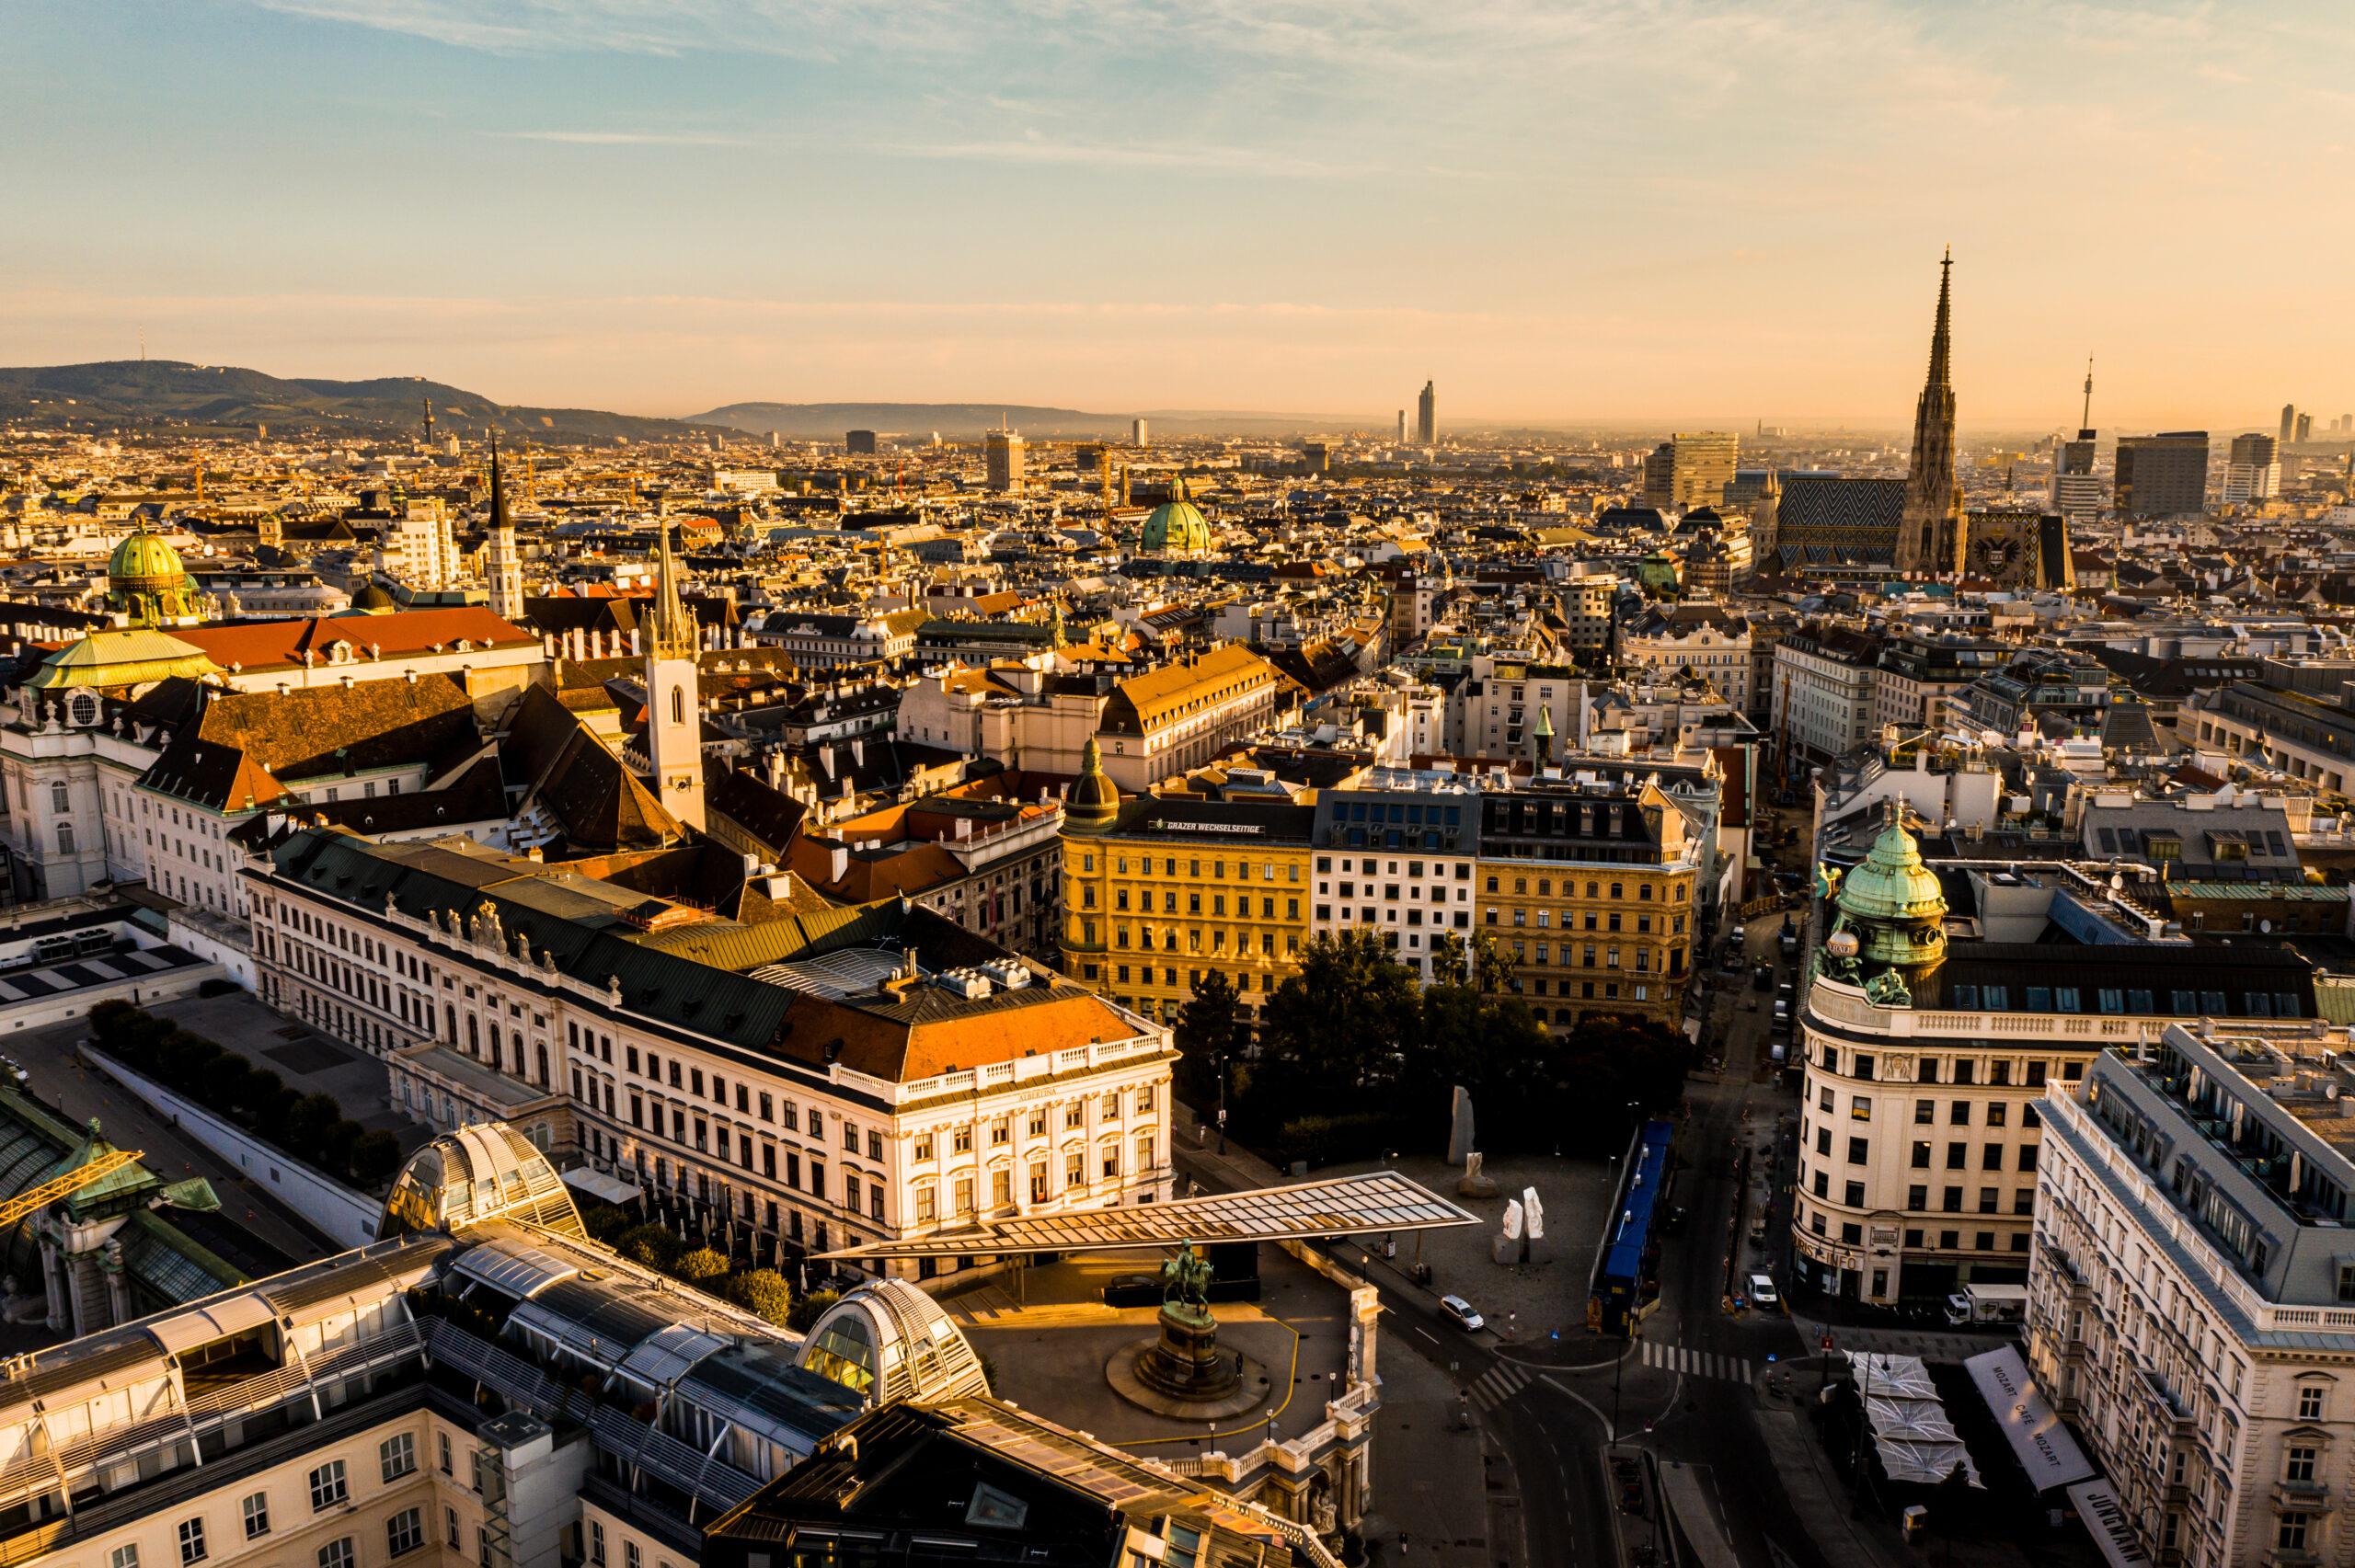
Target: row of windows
[(1852, 1233), (330, 1487), (1193, 904), (1962, 1072), (2126, 999), (1193, 864)]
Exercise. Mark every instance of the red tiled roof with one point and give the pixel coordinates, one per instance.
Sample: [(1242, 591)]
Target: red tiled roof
[(265, 643)]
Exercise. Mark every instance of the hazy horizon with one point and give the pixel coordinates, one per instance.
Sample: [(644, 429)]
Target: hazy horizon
[(1567, 216)]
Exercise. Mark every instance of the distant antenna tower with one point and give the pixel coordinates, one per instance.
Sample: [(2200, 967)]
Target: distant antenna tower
[(428, 421), (2085, 419)]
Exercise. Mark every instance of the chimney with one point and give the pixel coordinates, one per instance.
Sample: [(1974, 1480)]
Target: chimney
[(837, 863), (857, 752)]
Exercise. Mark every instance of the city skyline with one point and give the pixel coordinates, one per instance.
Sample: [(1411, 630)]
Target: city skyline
[(1297, 210)]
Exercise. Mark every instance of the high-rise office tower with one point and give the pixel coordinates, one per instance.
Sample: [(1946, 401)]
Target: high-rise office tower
[(1402, 427), (2305, 425), (1692, 468), (2253, 470), (1426, 416), (859, 443), (1929, 533), (1136, 432), (1003, 452), (2289, 423), (2163, 476)]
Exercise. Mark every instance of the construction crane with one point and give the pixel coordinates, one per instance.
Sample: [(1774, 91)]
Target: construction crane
[(74, 1181)]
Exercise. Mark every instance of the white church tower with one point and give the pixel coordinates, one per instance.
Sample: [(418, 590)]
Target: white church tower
[(502, 563), (673, 713)]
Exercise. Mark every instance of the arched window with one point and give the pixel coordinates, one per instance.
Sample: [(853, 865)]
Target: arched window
[(66, 838), (84, 708), (678, 705)]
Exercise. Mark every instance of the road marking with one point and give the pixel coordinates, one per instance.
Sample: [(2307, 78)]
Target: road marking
[(1696, 1363), (1499, 1383)]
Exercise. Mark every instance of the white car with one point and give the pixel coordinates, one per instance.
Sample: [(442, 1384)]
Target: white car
[(1734, 937), (1761, 1291), (1466, 1316)]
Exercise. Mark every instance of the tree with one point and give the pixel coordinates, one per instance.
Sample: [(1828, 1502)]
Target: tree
[(307, 1124), (1205, 1037), (603, 1221), (648, 1244), (1447, 957), (376, 1156), (223, 1084), (809, 1308), (260, 1091), (336, 1143), (1492, 964), (701, 1266), (1331, 1035), (763, 1291)]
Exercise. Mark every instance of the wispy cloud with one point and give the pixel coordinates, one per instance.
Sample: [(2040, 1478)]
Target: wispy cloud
[(1239, 160), (631, 138)]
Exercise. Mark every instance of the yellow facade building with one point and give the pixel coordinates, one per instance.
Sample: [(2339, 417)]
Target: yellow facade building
[(1158, 891), (1588, 888)]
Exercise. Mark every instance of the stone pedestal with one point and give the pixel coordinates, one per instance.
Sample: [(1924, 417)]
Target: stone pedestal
[(1184, 1373), (1186, 1363)]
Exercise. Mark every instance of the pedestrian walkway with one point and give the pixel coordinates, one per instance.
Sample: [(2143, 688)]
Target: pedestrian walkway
[(1696, 1363), (1497, 1384)]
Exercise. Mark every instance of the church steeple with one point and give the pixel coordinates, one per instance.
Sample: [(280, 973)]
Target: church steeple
[(673, 628), (1941, 336), (1929, 534), (499, 517), (674, 706)]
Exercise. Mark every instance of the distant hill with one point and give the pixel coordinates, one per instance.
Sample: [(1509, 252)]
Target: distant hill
[(966, 421), (225, 397)]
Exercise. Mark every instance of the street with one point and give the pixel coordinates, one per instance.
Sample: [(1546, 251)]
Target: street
[(1691, 1388)]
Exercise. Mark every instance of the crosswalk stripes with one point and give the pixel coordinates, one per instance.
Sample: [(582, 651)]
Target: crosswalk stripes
[(1499, 1383), (1695, 1363)]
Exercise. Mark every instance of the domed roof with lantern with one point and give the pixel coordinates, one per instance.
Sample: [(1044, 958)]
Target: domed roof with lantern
[(1891, 906), (147, 580), (1176, 525)]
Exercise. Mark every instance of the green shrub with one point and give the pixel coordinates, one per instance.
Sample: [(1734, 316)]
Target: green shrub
[(336, 1145), (809, 1308), (307, 1124), (763, 1291), (376, 1156), (648, 1244), (603, 1221), (701, 1266), (109, 1019)]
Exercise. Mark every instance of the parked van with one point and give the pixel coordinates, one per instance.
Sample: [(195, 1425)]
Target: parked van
[(1988, 1304)]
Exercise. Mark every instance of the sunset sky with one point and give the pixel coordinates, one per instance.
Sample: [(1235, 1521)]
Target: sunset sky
[(1653, 210)]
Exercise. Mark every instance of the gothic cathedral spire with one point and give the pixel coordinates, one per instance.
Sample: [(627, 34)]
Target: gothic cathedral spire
[(1929, 539), (674, 629)]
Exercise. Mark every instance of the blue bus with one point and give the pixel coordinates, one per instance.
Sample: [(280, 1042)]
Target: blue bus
[(1632, 1249)]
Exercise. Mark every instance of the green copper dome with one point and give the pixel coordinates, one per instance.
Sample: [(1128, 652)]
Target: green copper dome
[(1894, 904), (1176, 524), (146, 580), (145, 558)]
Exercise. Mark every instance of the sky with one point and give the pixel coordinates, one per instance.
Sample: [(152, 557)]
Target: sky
[(1594, 210)]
